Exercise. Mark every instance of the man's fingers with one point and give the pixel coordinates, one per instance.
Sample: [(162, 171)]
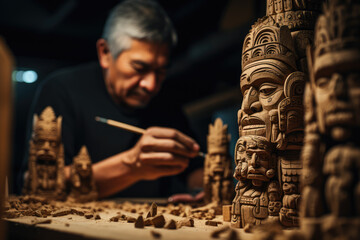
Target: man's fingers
[(151, 144), (163, 159), (188, 142)]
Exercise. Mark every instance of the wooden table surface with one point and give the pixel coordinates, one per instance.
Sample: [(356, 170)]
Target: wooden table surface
[(81, 228)]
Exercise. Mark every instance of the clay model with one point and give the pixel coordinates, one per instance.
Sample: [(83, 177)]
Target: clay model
[(46, 157), (83, 187), (218, 171), (258, 194), (331, 156), (272, 83)]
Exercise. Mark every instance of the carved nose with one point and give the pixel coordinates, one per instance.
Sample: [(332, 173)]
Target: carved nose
[(251, 102), (339, 86), (253, 161)]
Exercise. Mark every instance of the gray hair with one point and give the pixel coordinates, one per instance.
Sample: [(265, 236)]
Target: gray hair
[(137, 19)]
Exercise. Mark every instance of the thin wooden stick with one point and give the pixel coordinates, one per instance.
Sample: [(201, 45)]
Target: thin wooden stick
[(129, 128), (121, 125)]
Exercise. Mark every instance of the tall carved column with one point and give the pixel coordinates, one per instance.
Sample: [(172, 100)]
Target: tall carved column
[(331, 155), (274, 73)]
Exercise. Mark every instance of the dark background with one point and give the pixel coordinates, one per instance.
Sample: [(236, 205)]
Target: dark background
[(47, 35)]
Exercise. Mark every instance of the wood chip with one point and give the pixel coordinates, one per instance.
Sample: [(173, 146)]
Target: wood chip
[(139, 223), (170, 224), (89, 215), (97, 216), (62, 212), (152, 211), (131, 219), (188, 222), (147, 222), (158, 221), (211, 223), (155, 234)]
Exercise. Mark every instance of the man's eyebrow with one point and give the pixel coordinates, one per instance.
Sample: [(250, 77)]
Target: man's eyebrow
[(147, 65)]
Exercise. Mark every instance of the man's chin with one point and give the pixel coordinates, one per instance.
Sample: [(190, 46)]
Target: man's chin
[(137, 103)]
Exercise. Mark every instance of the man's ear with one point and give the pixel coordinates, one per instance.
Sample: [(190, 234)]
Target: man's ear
[(103, 52)]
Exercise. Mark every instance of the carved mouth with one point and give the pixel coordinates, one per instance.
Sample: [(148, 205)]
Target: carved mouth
[(249, 123), (340, 118)]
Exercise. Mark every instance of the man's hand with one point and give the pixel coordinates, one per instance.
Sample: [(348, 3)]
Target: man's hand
[(161, 152)]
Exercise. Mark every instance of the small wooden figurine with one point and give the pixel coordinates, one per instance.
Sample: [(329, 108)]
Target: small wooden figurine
[(218, 171), (83, 187), (46, 157)]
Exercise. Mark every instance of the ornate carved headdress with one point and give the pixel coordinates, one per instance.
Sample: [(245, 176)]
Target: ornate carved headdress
[(47, 125), (83, 155), (337, 39), (296, 14), (275, 35), (218, 139)]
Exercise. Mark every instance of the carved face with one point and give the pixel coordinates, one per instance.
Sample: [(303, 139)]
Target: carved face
[(46, 147), (83, 167), (274, 208), (254, 161), (337, 97), (263, 89), (217, 162)]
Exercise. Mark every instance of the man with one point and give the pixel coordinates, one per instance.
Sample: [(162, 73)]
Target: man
[(133, 56)]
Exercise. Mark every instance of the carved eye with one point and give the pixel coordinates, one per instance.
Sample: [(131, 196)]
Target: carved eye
[(322, 82), (245, 92), (267, 89)]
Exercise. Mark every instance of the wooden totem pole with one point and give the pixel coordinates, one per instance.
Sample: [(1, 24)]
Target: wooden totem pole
[(46, 158), (217, 173), (331, 154), (274, 72)]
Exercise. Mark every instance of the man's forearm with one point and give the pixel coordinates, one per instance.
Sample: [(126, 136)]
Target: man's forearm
[(114, 174)]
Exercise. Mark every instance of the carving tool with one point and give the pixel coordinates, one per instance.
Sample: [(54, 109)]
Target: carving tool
[(129, 128)]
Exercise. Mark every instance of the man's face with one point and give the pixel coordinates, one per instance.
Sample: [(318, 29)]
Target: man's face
[(337, 97), (262, 88), (136, 75)]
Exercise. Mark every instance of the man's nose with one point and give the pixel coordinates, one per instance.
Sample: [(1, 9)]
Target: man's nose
[(251, 102), (149, 82)]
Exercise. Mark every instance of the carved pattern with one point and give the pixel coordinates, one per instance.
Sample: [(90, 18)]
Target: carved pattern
[(272, 82), (331, 154), (46, 157), (217, 173), (83, 187), (258, 195)]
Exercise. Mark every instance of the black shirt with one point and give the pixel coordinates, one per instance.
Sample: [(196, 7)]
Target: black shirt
[(79, 95)]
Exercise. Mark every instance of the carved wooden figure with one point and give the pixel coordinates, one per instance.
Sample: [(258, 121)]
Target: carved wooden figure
[(46, 157), (331, 154), (272, 83), (218, 171), (83, 187), (258, 193)]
